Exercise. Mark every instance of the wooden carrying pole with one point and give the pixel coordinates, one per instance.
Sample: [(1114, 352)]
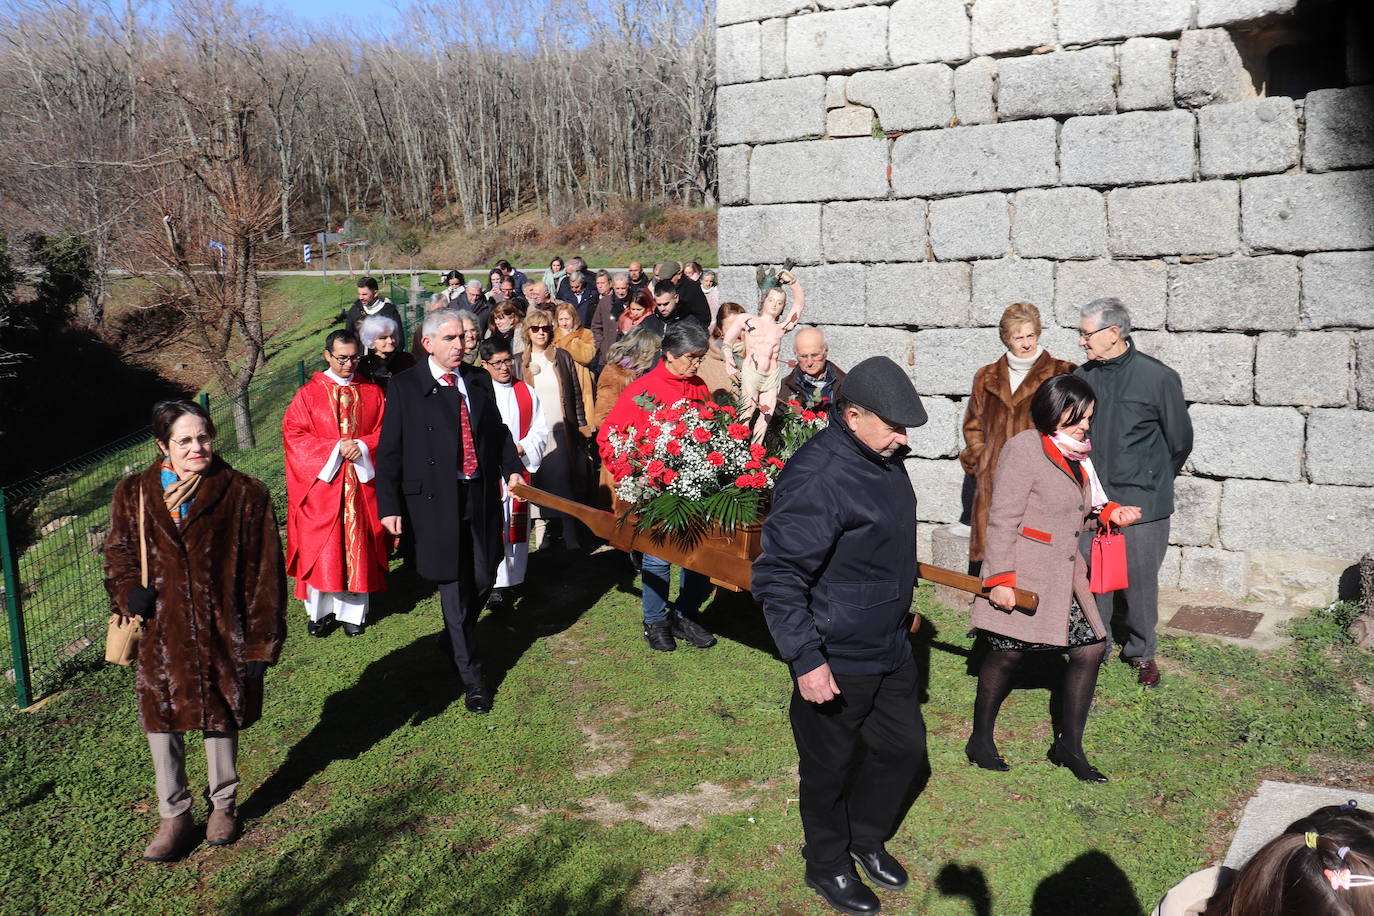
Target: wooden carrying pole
[(725, 568)]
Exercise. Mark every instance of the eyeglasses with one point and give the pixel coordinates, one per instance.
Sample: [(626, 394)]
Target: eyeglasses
[(691, 357), (344, 359), (1089, 335), (541, 328), (498, 363)]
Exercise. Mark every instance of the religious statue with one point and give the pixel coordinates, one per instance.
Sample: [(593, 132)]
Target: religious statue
[(762, 336)]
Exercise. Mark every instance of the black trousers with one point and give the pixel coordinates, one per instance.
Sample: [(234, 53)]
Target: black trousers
[(462, 601), (861, 755)]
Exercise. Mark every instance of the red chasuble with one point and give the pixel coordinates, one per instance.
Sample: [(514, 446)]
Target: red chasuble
[(334, 540)]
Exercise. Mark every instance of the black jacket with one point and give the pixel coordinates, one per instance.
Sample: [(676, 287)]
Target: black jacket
[(691, 302), (1141, 432), (356, 314), (417, 463), (794, 385), (839, 557)]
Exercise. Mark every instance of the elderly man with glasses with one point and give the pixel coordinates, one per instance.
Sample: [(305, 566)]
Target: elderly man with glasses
[(1141, 436)]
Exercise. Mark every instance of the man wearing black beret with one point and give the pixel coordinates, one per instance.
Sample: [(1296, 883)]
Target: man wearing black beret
[(835, 579)]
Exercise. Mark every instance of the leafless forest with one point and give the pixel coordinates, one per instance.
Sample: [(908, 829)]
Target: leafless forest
[(148, 135), (193, 143)]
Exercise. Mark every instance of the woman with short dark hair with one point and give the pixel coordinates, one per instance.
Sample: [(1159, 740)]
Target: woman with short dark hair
[(1046, 494), (206, 535)]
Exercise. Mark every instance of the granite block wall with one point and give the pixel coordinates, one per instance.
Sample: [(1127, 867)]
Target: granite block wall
[(931, 161)]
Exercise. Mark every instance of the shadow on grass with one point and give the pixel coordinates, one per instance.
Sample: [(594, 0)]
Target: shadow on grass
[(968, 882), (1091, 883), (389, 857), (406, 687)]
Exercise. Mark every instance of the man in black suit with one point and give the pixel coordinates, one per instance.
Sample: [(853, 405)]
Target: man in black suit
[(444, 452)]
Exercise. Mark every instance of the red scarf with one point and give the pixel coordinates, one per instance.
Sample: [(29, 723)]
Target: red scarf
[(520, 508)]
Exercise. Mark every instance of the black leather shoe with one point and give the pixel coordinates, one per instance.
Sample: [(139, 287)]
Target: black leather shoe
[(986, 759), (882, 869), (684, 627), (845, 893), (319, 627), (660, 636), (354, 629), (477, 701), (1078, 765)]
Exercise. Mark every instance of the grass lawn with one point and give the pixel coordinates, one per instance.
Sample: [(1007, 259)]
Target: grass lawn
[(609, 779)]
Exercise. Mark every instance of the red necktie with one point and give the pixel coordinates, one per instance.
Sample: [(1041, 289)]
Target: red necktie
[(469, 449)]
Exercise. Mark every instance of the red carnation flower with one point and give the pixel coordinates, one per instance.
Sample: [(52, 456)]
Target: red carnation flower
[(793, 402), (808, 415), (670, 414), (668, 476), (655, 468), (738, 431), (727, 410), (707, 412), (701, 435), (680, 429), (760, 479), (674, 447), (757, 452), (775, 462), (752, 465), (715, 459), (745, 480)]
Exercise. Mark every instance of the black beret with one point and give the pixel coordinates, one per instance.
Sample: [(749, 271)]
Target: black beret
[(878, 384)]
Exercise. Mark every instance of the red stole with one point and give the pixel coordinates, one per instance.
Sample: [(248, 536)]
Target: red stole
[(518, 531)]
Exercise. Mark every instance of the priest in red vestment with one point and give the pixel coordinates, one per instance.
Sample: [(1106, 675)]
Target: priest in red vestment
[(336, 547)]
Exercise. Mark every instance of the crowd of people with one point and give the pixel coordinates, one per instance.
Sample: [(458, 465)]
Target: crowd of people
[(522, 381)]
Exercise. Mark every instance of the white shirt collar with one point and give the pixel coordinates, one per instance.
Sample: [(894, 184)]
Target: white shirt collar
[(337, 380), (439, 372)]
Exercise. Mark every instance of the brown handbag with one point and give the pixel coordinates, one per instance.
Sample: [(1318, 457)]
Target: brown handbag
[(122, 635)]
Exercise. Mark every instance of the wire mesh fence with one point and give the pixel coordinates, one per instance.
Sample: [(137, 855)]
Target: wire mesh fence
[(52, 535)]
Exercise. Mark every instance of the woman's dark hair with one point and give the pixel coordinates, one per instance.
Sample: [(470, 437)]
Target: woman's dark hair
[(166, 413), (684, 337), (1061, 393), (1286, 877), (455, 275)]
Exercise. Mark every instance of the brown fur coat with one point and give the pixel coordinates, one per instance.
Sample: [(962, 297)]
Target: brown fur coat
[(221, 598), (993, 415)]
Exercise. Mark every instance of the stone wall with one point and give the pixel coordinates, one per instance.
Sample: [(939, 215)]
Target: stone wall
[(932, 161)]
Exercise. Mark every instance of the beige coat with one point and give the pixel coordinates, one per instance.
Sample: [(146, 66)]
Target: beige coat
[(1038, 511), (994, 414)]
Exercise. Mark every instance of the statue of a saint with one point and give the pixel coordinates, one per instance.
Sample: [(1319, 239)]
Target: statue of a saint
[(762, 335)]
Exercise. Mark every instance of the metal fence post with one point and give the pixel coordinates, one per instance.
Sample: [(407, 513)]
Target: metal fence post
[(204, 401), (14, 611)]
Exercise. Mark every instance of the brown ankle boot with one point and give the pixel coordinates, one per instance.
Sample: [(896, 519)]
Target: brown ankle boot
[(172, 840), (223, 827)]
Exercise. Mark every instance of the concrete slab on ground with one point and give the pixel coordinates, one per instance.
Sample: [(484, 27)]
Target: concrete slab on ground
[(1278, 804), (1265, 635)]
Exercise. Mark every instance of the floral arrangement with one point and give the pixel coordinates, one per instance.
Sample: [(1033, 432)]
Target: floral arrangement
[(693, 465)]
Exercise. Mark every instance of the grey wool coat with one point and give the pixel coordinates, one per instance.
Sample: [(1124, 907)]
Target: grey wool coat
[(1038, 510)]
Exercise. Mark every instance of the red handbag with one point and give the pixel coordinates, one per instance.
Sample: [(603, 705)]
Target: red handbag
[(1107, 569)]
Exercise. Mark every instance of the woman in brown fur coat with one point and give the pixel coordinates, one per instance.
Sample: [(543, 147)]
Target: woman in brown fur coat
[(999, 407), (214, 610)]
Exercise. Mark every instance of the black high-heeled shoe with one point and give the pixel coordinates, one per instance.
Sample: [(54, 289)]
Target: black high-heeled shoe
[(986, 760), (1078, 764)]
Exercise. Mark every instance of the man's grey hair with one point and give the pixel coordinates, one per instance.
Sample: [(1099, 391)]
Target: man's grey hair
[(684, 336), (576, 265), (620, 275), (374, 327), (467, 317), (1109, 312), (475, 284), (603, 273), (440, 317)]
